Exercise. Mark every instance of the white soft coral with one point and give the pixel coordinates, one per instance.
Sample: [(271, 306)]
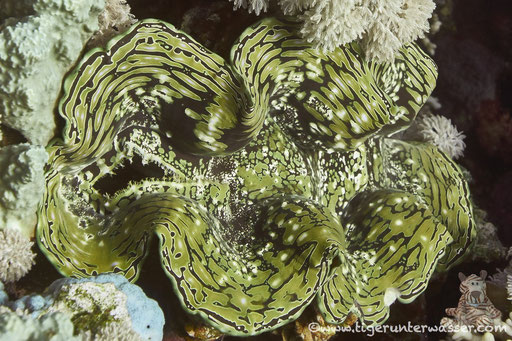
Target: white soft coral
[(383, 26), (256, 6), (395, 23), (328, 24), (440, 131)]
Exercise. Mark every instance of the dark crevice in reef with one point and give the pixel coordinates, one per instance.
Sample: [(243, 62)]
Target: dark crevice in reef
[(10, 136), (42, 274)]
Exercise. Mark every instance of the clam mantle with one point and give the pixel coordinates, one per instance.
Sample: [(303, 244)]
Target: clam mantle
[(271, 181)]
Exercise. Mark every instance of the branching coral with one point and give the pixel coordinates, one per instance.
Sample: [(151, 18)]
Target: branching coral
[(16, 257), (383, 26), (269, 183), (436, 129)]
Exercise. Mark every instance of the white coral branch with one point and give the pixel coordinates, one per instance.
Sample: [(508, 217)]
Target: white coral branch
[(440, 131), (256, 6)]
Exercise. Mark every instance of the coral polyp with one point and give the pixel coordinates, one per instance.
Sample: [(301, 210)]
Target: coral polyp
[(270, 182)]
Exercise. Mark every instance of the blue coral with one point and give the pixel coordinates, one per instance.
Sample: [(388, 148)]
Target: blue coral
[(3, 295), (146, 316), (147, 319)]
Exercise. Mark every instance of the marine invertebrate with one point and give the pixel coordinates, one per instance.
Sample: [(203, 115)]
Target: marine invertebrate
[(16, 256), (52, 327), (487, 246), (440, 131), (395, 23), (3, 295), (110, 299), (509, 287), (269, 182), (113, 331), (381, 26), (113, 20), (474, 308), (21, 186), (58, 30), (256, 6)]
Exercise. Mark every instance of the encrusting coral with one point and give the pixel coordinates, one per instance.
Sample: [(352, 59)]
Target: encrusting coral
[(382, 26), (269, 182), (111, 331), (50, 327), (39, 42), (21, 186), (105, 307), (16, 256)]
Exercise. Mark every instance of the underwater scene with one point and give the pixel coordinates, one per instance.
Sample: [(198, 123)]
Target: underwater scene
[(273, 170)]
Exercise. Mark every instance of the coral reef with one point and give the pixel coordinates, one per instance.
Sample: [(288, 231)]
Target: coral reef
[(269, 182), (113, 20), (50, 327), (487, 246), (381, 26), (21, 186), (16, 257), (119, 309), (311, 326), (256, 6), (3, 295), (39, 42), (435, 129), (113, 331), (440, 131), (509, 287)]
